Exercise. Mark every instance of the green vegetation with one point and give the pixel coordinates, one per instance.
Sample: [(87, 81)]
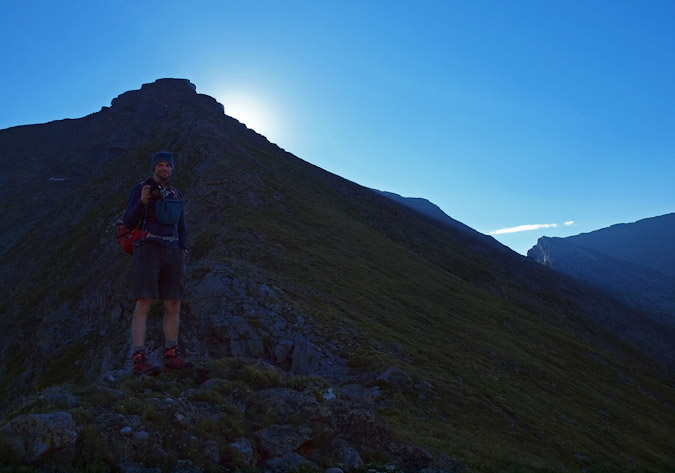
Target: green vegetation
[(160, 403), (514, 387)]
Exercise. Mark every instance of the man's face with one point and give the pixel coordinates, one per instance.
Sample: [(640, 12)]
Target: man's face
[(163, 171)]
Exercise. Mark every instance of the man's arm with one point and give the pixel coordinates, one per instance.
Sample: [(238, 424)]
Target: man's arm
[(182, 231), (135, 206)]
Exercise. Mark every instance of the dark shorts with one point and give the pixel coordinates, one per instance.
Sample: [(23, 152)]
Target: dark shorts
[(158, 272)]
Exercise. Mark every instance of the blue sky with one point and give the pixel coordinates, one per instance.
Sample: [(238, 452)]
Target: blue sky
[(549, 117)]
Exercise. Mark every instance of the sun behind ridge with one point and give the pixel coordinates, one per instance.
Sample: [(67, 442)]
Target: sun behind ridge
[(252, 112)]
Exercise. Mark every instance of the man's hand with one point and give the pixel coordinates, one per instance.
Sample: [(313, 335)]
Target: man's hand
[(145, 194)]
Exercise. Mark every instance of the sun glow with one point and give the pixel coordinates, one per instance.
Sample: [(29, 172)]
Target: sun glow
[(253, 111)]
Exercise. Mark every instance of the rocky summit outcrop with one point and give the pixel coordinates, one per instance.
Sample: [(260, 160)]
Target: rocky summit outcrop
[(331, 327)]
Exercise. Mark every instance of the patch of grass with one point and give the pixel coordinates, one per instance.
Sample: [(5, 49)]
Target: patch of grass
[(7, 454), (93, 452), (370, 359), (63, 365)]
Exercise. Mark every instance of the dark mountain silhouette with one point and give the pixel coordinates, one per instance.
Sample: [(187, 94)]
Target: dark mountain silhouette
[(330, 325), (433, 211), (633, 261)]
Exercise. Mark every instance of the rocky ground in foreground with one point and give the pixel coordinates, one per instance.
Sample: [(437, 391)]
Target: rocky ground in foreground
[(225, 415)]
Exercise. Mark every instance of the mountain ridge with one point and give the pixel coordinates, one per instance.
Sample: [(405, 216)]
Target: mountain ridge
[(458, 346), (433, 211), (635, 242), (633, 261)]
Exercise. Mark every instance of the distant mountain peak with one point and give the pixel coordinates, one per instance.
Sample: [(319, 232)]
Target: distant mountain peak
[(646, 242), (634, 261)]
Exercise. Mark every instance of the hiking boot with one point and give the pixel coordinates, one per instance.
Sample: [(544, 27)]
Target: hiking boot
[(173, 361), (141, 365)]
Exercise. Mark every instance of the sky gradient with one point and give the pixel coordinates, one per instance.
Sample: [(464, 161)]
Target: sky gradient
[(518, 118)]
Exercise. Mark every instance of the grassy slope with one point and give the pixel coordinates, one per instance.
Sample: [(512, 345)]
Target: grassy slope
[(511, 386)]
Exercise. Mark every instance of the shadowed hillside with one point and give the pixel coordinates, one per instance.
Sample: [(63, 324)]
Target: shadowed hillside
[(633, 261), (317, 310)]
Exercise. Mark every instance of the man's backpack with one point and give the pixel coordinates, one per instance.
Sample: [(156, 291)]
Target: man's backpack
[(126, 237)]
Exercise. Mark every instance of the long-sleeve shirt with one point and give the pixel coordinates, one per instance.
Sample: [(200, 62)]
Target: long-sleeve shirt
[(165, 235)]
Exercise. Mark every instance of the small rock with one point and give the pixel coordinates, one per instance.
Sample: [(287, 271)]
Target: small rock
[(358, 394), (277, 440), (185, 466), (282, 350), (328, 394), (244, 449), (108, 377), (424, 386), (128, 467), (180, 418), (141, 435), (350, 459), (211, 451), (125, 431), (396, 378), (287, 462)]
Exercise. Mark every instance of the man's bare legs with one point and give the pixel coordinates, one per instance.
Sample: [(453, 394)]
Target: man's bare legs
[(172, 359), (138, 323), (140, 320), (171, 320)]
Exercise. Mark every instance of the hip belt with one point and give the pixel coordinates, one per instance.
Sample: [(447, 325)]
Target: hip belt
[(160, 237)]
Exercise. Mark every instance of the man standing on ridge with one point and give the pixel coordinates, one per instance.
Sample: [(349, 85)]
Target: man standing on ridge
[(158, 261)]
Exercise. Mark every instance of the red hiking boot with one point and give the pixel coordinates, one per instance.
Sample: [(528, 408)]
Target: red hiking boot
[(141, 365), (173, 361)]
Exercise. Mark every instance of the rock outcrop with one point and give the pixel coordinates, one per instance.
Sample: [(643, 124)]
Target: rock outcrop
[(229, 413)]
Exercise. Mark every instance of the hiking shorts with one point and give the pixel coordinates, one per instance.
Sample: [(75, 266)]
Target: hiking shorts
[(158, 272)]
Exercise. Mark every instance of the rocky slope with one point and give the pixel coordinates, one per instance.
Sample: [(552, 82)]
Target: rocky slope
[(316, 310)]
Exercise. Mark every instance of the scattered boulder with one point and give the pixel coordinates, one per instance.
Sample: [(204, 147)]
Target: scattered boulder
[(304, 354), (396, 378), (349, 459), (286, 402), (282, 351), (129, 467), (287, 462), (36, 436), (243, 448), (359, 394), (277, 440)]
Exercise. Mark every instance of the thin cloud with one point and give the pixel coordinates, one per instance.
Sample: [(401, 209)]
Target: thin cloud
[(571, 222), (524, 228)]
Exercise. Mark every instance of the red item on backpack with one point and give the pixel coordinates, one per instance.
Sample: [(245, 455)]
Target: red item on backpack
[(127, 238)]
